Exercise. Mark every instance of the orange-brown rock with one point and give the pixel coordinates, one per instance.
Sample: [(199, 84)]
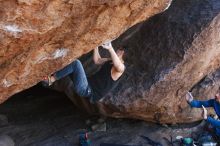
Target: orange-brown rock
[(38, 37), (167, 55)]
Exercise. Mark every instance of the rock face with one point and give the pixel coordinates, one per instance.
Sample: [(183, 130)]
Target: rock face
[(171, 53), (38, 37), (167, 55)]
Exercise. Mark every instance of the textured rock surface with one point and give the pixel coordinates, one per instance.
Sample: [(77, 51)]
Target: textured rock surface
[(38, 37), (209, 86), (172, 53), (167, 56)]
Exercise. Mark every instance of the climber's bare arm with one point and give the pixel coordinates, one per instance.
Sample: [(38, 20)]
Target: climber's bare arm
[(118, 64), (97, 58)]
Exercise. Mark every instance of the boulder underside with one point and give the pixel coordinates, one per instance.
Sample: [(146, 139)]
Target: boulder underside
[(167, 55)]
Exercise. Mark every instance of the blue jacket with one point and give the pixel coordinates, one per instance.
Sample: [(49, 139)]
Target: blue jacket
[(209, 103)]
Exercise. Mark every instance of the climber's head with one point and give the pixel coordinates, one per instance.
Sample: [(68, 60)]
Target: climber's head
[(121, 53)]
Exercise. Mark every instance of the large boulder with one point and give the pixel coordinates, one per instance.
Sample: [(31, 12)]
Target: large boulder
[(38, 37), (167, 55)]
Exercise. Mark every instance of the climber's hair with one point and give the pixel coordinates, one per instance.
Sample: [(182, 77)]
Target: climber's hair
[(122, 47)]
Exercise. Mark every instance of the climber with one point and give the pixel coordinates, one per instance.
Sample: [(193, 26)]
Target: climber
[(215, 103), (99, 84)]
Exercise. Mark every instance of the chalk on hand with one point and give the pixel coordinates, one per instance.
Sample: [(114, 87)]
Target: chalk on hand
[(190, 94), (107, 44)]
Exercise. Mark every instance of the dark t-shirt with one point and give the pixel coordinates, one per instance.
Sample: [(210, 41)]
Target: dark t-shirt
[(102, 82)]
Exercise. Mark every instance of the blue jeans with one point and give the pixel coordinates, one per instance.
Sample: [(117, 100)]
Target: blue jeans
[(77, 74)]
